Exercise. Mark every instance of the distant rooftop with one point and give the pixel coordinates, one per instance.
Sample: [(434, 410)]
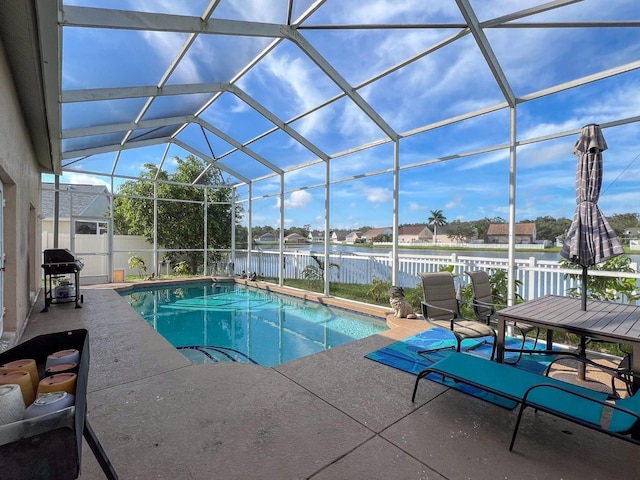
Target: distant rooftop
[(79, 200)]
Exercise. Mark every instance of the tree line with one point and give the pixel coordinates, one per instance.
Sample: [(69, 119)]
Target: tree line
[(547, 228)]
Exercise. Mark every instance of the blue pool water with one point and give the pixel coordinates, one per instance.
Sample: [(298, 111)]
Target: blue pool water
[(212, 322)]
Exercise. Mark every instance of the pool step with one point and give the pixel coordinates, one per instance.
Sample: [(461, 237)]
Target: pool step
[(215, 354)]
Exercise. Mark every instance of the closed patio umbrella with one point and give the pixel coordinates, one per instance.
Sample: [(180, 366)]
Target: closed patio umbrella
[(590, 239)]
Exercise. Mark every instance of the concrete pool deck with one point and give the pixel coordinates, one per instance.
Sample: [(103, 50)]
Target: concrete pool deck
[(332, 415)]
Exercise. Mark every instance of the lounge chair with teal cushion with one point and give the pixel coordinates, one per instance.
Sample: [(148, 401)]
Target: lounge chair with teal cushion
[(565, 400)]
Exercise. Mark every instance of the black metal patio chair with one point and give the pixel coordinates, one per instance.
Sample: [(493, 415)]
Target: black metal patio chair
[(485, 309), (441, 307)]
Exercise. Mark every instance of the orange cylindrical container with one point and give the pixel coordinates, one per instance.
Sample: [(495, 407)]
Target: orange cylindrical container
[(22, 378), (70, 367), (61, 382), (26, 364)]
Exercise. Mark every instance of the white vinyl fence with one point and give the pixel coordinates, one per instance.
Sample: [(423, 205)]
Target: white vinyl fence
[(93, 251), (537, 277)]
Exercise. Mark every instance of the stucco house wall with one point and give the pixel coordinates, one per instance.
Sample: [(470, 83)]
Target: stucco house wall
[(20, 175)]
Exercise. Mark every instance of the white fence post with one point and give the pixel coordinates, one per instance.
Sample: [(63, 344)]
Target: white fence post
[(531, 280)]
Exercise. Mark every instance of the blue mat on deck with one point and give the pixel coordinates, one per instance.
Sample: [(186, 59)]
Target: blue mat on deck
[(404, 356)]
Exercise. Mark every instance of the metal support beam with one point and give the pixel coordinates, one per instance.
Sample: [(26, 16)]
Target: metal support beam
[(511, 248), (110, 233), (159, 22), (233, 227), (281, 269), (232, 141), (205, 197), (119, 93), (481, 39), (212, 161), (155, 225), (56, 210), (342, 84), (396, 213), (327, 223), (249, 225), (286, 128)]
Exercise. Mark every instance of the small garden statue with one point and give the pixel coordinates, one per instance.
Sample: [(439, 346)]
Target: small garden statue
[(401, 308)]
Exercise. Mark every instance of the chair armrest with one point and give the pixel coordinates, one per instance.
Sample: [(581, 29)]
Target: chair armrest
[(485, 316), (486, 304), (623, 375), (426, 305)]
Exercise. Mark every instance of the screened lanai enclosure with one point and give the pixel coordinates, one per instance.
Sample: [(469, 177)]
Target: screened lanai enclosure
[(334, 114)]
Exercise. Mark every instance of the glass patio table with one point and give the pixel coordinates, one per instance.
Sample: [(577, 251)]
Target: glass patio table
[(605, 321)]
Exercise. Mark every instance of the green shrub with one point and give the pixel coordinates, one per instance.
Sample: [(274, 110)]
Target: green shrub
[(136, 262), (378, 290), (608, 289), (181, 268)]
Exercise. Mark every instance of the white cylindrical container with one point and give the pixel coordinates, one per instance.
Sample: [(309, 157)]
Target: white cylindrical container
[(48, 403), (12, 406), (12, 411), (63, 356)]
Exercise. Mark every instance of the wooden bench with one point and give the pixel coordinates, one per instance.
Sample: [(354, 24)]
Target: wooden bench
[(562, 399)]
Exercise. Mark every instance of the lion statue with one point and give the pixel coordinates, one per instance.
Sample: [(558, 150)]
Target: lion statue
[(401, 308)]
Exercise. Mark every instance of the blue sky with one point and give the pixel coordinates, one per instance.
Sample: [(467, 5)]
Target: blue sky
[(437, 172)]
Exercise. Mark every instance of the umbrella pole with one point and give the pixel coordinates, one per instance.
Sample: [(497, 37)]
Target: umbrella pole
[(584, 289), (583, 343)]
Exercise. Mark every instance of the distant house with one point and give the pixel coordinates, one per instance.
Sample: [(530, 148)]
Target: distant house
[(339, 236), (442, 233), (499, 233), (295, 238), (75, 201), (374, 232), (631, 236), (316, 236), (352, 237), (414, 234), (269, 237), (560, 241)]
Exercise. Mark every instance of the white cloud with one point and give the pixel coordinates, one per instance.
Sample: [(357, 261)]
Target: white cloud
[(389, 11), (299, 199), (238, 106), (485, 160), (353, 123), (255, 10), (84, 179), (378, 194), (297, 83), (455, 202)]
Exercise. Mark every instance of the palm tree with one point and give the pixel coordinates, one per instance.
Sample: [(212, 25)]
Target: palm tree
[(436, 219), (315, 273)]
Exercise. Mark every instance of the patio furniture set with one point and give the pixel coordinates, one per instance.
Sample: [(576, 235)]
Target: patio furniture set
[(603, 321)]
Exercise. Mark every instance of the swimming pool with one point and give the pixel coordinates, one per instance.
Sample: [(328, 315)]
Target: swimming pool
[(213, 322)]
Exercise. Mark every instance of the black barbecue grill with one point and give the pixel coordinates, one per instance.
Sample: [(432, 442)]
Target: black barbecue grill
[(59, 263)]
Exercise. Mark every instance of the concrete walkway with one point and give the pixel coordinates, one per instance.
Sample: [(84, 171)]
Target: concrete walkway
[(332, 415)]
